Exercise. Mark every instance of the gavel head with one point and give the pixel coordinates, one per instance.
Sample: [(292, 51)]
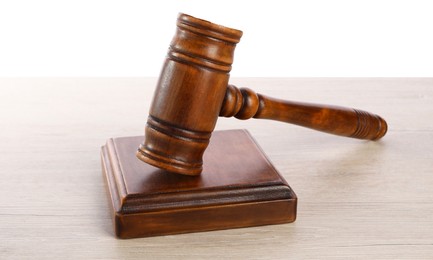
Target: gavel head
[(189, 95)]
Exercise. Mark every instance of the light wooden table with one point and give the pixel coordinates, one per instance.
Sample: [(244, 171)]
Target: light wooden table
[(369, 200)]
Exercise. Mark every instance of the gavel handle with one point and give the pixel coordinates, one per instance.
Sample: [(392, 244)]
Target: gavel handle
[(244, 104)]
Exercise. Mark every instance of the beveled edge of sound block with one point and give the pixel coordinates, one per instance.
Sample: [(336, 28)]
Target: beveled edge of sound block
[(146, 201)]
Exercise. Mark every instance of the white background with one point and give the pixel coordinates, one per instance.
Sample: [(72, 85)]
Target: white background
[(281, 38)]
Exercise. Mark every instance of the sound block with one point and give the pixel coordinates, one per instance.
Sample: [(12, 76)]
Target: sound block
[(238, 187)]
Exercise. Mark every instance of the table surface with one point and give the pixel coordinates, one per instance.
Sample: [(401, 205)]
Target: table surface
[(370, 200)]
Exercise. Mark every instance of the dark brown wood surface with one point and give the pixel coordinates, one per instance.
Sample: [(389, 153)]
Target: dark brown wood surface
[(189, 95), (239, 187), (192, 91), (244, 103)]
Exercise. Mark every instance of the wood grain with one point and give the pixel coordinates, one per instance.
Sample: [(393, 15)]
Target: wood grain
[(244, 104), (357, 199), (239, 187), (189, 95), (192, 91)]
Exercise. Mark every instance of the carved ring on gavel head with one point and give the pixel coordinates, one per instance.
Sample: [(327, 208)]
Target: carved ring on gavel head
[(193, 91)]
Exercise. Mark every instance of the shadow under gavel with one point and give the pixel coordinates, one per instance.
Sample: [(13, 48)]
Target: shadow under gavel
[(193, 91)]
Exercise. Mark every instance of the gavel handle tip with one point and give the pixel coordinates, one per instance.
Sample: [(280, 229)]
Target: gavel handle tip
[(383, 128)]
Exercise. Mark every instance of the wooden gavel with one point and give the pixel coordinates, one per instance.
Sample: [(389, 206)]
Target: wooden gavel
[(193, 91)]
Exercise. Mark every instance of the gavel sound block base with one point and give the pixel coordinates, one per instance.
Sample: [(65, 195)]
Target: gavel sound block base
[(238, 187)]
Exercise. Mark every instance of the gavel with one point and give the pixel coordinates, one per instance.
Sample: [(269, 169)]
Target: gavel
[(193, 90)]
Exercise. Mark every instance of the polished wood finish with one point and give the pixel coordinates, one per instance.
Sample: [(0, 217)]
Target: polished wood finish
[(192, 92), (147, 201), (244, 104), (189, 95)]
